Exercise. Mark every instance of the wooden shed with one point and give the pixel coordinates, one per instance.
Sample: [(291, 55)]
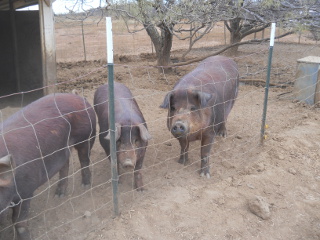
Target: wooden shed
[(27, 51)]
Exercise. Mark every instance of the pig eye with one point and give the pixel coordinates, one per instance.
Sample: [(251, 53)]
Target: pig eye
[(172, 108), (193, 108)]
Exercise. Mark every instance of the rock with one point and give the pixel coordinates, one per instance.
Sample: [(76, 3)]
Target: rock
[(227, 164), (260, 207), (87, 214), (229, 179), (292, 171), (259, 167)]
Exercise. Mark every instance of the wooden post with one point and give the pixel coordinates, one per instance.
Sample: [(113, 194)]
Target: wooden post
[(83, 42), (48, 46)]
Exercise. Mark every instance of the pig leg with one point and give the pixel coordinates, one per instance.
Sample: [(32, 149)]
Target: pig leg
[(206, 144), (19, 216), (138, 184), (184, 144), (63, 182), (222, 130), (84, 153)]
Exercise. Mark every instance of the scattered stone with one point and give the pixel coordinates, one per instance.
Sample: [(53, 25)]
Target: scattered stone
[(87, 214), (238, 137), (259, 167), (236, 182), (292, 171), (168, 144), (229, 179), (227, 164), (260, 207), (249, 170), (220, 201), (281, 157)]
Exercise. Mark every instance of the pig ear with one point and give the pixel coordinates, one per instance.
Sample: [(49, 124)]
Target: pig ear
[(145, 135), (203, 97), (166, 100), (118, 132), (6, 170)]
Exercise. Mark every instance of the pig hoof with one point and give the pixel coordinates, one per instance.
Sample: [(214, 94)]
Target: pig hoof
[(202, 174), (59, 194), (140, 189), (223, 134), (182, 161), (86, 186)]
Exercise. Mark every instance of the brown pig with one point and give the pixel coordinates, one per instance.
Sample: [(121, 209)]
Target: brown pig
[(199, 104), (131, 129), (35, 144)]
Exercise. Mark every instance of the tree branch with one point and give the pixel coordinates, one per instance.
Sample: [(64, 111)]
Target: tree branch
[(230, 46), (255, 30)]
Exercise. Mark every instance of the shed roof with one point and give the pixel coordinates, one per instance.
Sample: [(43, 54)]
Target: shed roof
[(5, 4)]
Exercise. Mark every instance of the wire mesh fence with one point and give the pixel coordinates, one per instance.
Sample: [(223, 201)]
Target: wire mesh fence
[(177, 203)]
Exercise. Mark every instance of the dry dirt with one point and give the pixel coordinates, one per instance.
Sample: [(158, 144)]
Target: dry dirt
[(178, 204)]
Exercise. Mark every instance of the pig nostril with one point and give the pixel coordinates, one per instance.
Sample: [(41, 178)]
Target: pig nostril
[(182, 128), (174, 128)]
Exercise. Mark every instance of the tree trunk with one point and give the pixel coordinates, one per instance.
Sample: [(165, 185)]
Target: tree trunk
[(163, 56), (235, 37), (162, 44), (234, 28)]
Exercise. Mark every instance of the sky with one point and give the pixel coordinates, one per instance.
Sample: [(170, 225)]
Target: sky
[(63, 6)]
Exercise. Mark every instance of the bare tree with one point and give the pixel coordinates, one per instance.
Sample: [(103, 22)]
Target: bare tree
[(191, 20), (162, 20), (157, 19), (250, 16)]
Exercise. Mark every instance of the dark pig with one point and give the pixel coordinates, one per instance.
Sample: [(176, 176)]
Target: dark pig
[(131, 129), (35, 144), (199, 104)]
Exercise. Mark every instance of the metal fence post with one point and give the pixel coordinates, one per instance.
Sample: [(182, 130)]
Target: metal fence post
[(113, 150), (263, 125)]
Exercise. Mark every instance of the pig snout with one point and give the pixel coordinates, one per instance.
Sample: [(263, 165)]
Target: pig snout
[(127, 158), (179, 128), (127, 163)]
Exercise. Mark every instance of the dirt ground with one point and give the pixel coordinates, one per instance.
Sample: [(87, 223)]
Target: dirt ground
[(178, 203)]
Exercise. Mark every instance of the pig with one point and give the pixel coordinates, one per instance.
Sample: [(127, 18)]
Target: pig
[(35, 144), (132, 134), (199, 104)]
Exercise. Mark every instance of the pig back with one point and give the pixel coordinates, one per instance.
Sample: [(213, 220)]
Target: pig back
[(217, 75), (43, 130), (214, 74), (127, 111)]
